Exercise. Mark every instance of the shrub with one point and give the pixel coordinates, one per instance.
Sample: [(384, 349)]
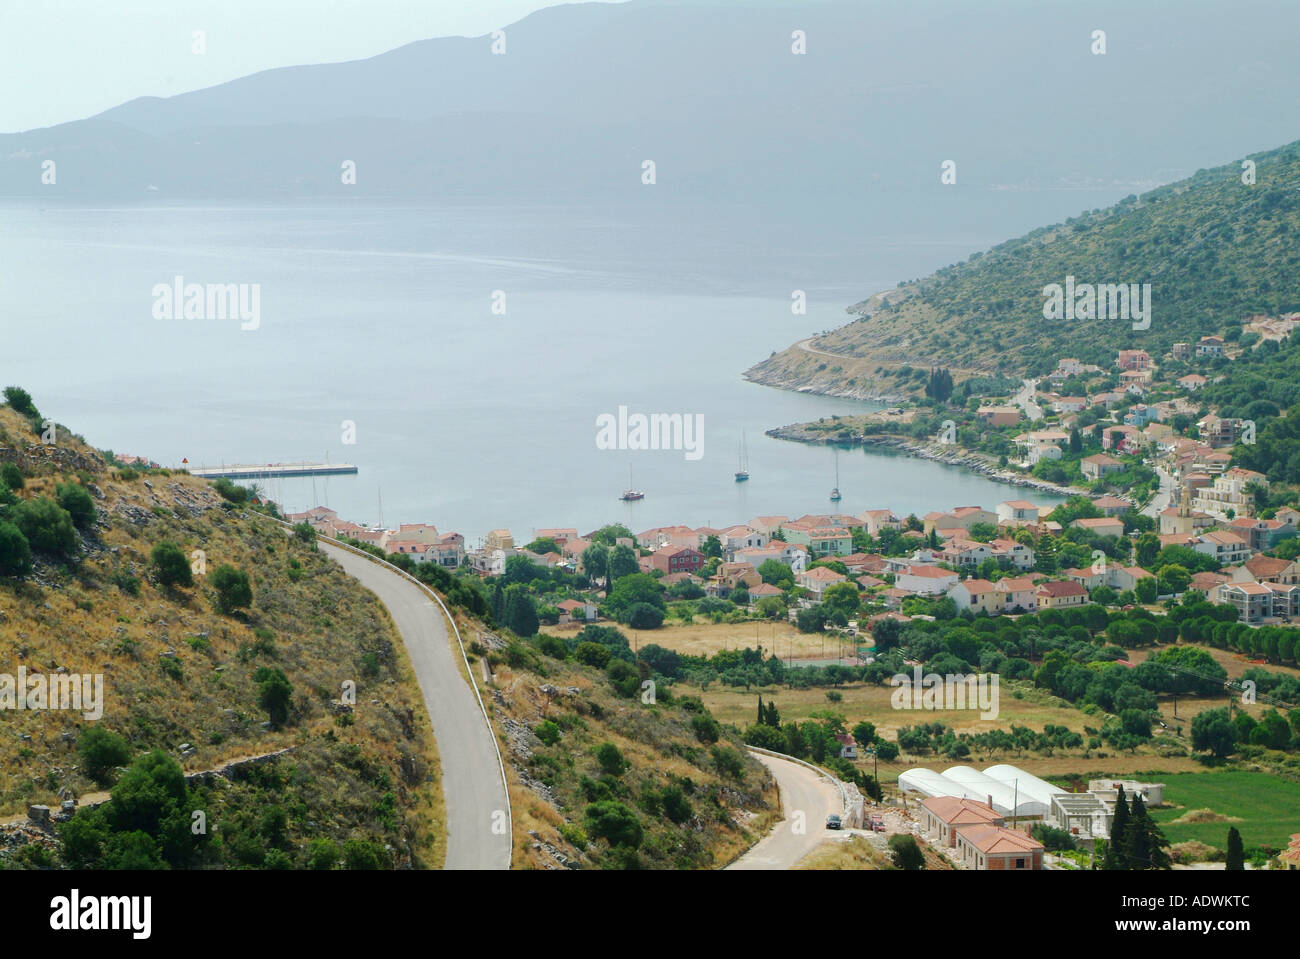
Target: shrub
[(101, 750), (706, 729), (230, 491), (12, 477), (78, 503), (675, 804), (126, 582), (359, 854), (233, 589), (611, 759), (322, 854), (15, 552), (645, 616), (47, 526), (906, 853), (547, 732), (170, 565), (20, 400), (274, 693), (593, 654), (614, 822)]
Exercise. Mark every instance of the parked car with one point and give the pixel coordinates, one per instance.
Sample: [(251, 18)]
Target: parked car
[(834, 822), (877, 822)]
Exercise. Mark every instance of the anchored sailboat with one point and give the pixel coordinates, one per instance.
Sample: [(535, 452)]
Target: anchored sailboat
[(835, 493), (631, 493), (742, 474)]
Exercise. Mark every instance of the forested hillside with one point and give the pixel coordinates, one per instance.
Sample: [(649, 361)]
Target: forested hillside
[(1214, 249)]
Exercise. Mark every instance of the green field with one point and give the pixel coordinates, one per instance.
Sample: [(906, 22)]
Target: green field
[(1268, 807)]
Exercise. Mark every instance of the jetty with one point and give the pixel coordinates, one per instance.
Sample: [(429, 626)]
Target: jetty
[(273, 470)]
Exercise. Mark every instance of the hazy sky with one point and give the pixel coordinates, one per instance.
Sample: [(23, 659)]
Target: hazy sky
[(63, 60)]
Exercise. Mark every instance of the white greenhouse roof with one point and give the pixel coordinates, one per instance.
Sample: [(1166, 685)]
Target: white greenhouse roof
[(1029, 785), (1007, 800)]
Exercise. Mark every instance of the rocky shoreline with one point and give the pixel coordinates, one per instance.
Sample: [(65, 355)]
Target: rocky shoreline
[(948, 455)]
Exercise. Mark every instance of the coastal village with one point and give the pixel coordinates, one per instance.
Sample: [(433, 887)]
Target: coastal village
[(986, 558), (1198, 525)]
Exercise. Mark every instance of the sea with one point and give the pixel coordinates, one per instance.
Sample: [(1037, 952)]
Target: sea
[(461, 355)]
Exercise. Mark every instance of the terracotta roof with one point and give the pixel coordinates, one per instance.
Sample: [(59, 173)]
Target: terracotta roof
[(1058, 588), (950, 810), (998, 839)]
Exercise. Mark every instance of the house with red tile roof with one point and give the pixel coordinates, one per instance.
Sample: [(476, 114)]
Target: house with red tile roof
[(818, 579), (977, 595), (942, 816), (926, 580), (1101, 525), (998, 848), (1060, 593)]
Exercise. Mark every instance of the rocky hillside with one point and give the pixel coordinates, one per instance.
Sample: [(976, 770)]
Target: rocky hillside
[(1214, 249), (188, 687), (609, 773)]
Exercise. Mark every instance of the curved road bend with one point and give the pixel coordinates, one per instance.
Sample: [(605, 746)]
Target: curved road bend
[(471, 776), (802, 790)]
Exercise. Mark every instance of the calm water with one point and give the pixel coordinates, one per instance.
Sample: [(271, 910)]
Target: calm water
[(466, 419)]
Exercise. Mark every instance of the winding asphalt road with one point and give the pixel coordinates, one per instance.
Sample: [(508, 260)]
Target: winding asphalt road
[(478, 834), (806, 800)]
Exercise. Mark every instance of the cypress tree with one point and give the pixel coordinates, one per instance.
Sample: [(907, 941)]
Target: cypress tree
[(1116, 850), (1152, 842), (773, 717), (1137, 846), (1236, 853), (762, 713)]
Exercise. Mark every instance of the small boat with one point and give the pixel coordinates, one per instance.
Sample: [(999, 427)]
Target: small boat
[(835, 493), (631, 494), (742, 474)]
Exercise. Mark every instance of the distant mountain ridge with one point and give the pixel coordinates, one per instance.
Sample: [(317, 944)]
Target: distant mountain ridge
[(711, 91), (1214, 249)]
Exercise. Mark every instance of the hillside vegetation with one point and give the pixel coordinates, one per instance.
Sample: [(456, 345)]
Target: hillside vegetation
[(608, 767), (236, 651), (1213, 248)]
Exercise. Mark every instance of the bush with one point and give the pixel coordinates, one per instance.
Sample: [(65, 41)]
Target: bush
[(553, 646), (611, 759), (765, 737), (593, 654), (706, 729), (614, 822), (78, 503), (232, 492), (47, 526), (20, 400), (100, 751), (274, 693), (645, 616), (322, 854), (1053, 840), (675, 804), (233, 589), (547, 732), (906, 853), (15, 552), (359, 854), (12, 477), (170, 565)]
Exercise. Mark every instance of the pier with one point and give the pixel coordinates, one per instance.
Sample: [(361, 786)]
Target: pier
[(273, 470)]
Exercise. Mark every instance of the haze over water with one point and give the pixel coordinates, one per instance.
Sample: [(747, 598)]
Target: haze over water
[(382, 315)]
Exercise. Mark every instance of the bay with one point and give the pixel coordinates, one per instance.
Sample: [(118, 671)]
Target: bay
[(381, 316)]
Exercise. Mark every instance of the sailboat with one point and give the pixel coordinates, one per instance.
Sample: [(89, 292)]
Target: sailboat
[(835, 493), (742, 474), (630, 493)]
